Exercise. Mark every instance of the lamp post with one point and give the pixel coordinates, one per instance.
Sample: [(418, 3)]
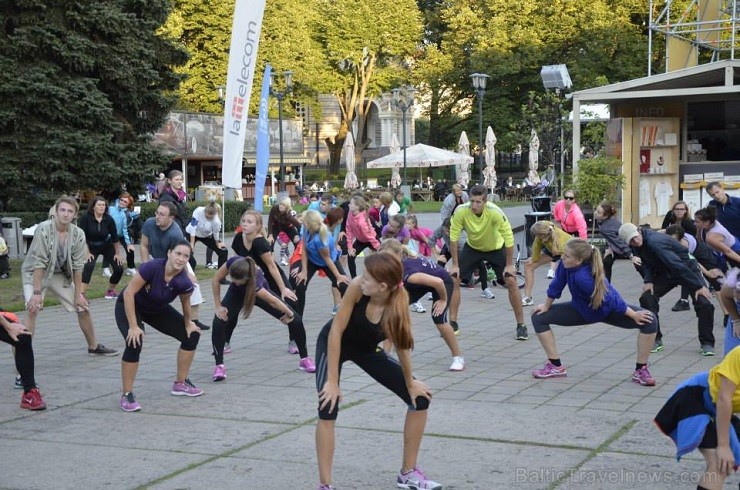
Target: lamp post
[(403, 99), (280, 95), (479, 85), (558, 78)]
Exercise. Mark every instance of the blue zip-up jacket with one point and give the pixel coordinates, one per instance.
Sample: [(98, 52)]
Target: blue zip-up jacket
[(581, 285), (119, 216)]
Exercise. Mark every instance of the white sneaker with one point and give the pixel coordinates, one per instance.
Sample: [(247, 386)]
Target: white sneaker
[(458, 363), (527, 301), (130, 272), (107, 272), (429, 296), (283, 262), (487, 294), (416, 307), (211, 265), (550, 274)]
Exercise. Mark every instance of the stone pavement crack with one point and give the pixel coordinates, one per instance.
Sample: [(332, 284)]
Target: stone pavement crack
[(593, 453)]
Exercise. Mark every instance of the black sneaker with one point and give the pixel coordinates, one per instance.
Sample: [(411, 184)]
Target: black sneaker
[(681, 305), (102, 350), (521, 332), (202, 325)]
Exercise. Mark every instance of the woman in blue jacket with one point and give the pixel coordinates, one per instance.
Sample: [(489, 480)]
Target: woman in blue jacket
[(593, 300)]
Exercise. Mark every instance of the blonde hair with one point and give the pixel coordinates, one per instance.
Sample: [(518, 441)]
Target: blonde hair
[(386, 198), (394, 247), (547, 228), (287, 202), (258, 218), (588, 254), (312, 224)]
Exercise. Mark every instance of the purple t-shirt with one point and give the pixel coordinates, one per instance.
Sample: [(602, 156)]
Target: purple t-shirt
[(423, 266), (261, 282), (402, 234), (156, 293)]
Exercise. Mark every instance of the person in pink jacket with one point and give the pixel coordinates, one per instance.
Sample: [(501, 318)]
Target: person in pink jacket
[(360, 233), (568, 217)]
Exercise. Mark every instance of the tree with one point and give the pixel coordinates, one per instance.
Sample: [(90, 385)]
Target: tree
[(598, 179), (82, 86)]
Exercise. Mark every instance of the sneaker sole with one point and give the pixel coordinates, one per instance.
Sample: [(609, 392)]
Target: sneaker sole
[(95, 354), (182, 393), (300, 368), (642, 383), (707, 354), (657, 349), (522, 337), (130, 410), (216, 379), (457, 370), (558, 375), (33, 409)]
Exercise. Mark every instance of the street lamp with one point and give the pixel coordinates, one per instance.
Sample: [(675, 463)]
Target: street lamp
[(403, 99), (479, 85), (557, 77), (279, 95)]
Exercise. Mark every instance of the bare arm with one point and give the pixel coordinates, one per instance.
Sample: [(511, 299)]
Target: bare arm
[(144, 248)]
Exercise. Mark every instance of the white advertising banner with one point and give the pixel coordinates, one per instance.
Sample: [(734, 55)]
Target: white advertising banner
[(245, 36)]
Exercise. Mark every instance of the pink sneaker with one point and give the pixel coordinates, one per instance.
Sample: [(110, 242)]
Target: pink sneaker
[(550, 371), (642, 376), (292, 347), (111, 294), (307, 365), (185, 388), (227, 348), (219, 373)]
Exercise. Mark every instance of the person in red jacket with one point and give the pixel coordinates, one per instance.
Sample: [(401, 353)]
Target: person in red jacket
[(360, 233)]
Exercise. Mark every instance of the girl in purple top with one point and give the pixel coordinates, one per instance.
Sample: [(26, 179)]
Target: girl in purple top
[(725, 245), (593, 300), (422, 276), (396, 228), (249, 288), (147, 299)]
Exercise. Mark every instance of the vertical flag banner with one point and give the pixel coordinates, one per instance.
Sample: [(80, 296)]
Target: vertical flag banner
[(245, 36), (263, 141)]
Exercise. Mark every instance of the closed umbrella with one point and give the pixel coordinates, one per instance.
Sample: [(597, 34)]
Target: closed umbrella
[(350, 180), (463, 147), (394, 148), (489, 173), (534, 157)]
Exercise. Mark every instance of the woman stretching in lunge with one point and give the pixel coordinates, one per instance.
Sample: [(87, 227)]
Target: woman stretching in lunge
[(593, 300), (373, 308), (249, 288), (422, 276), (147, 299)]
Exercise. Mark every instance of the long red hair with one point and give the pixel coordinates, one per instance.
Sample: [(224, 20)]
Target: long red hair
[(396, 323)]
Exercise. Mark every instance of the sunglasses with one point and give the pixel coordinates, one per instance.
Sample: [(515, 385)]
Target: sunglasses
[(570, 198)]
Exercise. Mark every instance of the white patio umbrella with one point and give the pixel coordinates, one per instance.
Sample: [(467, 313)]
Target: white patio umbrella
[(348, 150), (395, 147), (463, 147), (534, 157), (421, 156), (489, 173)]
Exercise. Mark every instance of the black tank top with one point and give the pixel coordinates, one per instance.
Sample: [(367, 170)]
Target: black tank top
[(361, 335)]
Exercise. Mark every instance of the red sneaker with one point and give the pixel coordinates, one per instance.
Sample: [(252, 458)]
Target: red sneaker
[(32, 400)]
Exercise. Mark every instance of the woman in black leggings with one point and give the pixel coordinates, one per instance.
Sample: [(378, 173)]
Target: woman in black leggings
[(16, 334), (374, 307), (249, 288), (147, 299)]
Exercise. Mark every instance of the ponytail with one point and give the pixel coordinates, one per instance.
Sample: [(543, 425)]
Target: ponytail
[(246, 269), (587, 253)]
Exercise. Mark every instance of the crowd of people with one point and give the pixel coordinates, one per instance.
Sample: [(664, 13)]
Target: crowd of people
[(403, 264)]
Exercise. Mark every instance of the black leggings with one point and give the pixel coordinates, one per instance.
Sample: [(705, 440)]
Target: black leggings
[(108, 252), (703, 308), (223, 330), (566, 315), (417, 292), (168, 320), (210, 243), (300, 289), (379, 365), (130, 263), (358, 246), (23, 358)]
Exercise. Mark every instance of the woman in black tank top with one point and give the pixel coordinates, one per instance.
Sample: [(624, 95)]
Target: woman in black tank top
[(374, 307)]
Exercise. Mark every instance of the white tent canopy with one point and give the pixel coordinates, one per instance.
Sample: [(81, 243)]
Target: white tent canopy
[(421, 156)]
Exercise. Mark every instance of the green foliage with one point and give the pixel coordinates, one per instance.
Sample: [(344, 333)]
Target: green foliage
[(598, 179), (82, 86), (233, 211)]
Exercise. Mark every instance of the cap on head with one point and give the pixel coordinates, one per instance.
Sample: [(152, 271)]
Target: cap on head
[(627, 232)]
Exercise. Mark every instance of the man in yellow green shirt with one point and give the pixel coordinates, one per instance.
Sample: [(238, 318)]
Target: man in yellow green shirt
[(491, 239)]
